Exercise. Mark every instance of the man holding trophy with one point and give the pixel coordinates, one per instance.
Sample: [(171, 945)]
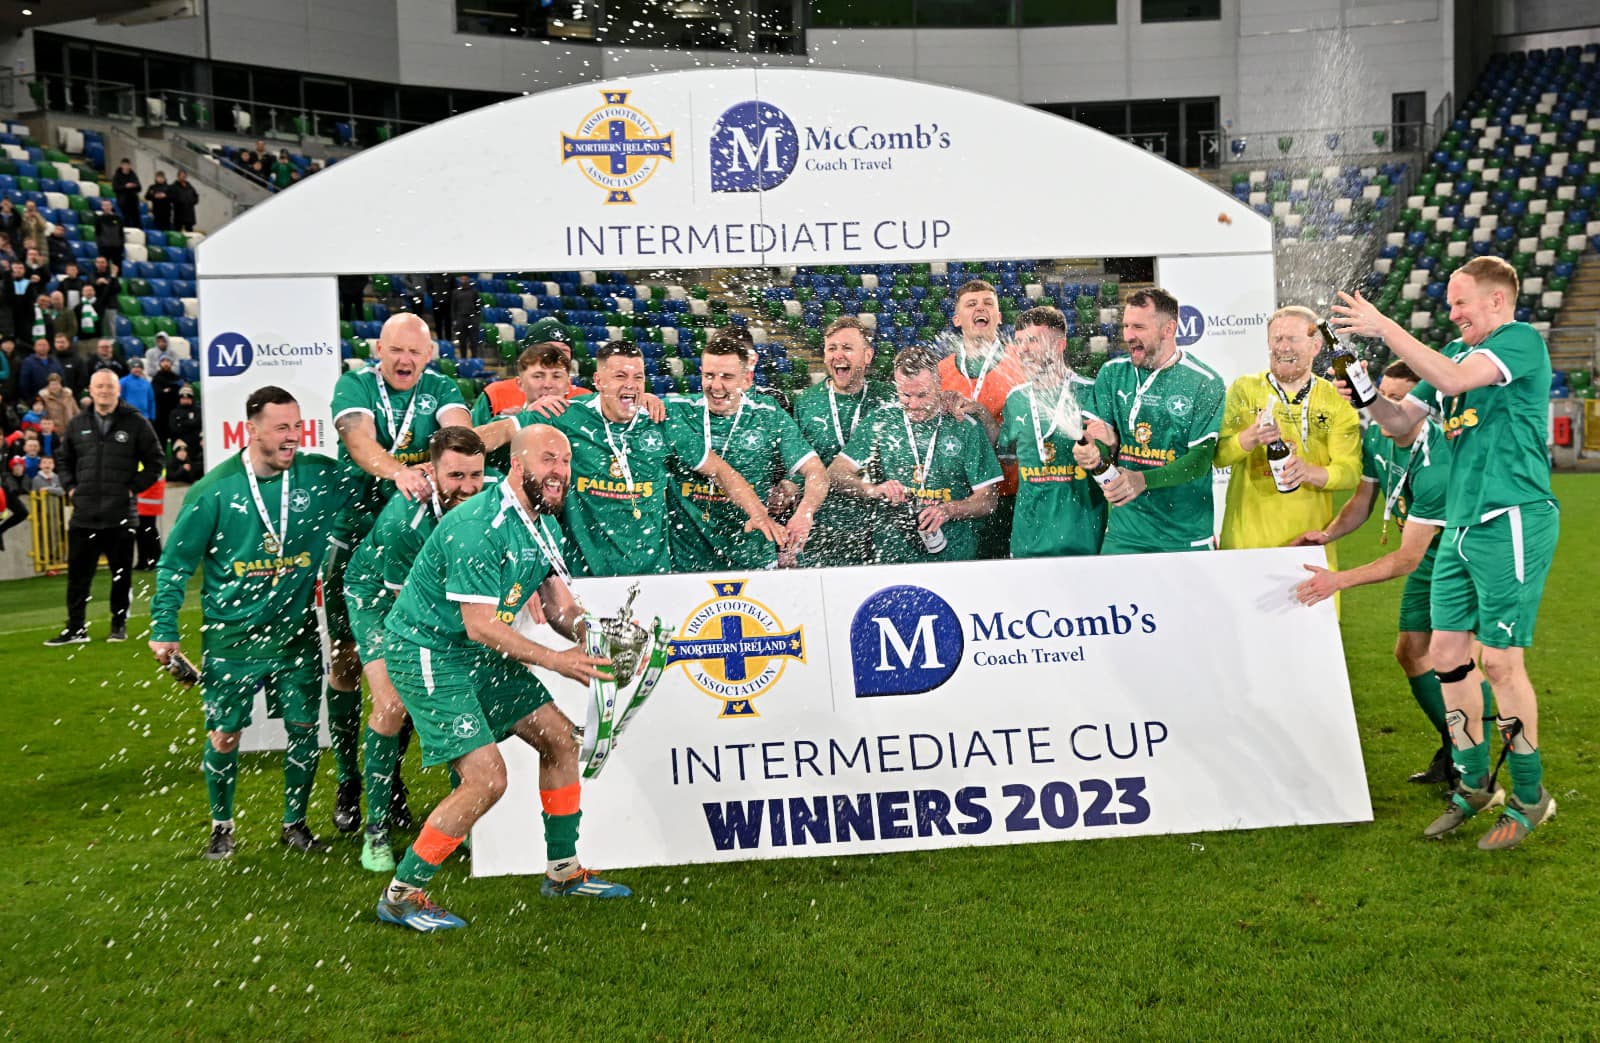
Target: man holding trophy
[(462, 671)]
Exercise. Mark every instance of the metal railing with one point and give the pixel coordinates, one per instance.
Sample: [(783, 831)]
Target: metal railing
[(47, 519), (1323, 144), (57, 93)]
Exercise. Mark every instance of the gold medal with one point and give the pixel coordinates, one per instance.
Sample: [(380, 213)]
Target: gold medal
[(270, 544), (916, 474), (1049, 453), (637, 514), (705, 516)]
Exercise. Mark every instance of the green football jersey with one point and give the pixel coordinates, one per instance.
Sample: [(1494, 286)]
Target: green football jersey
[(1060, 510), (1497, 435), (480, 553), (939, 460), (616, 509), (1159, 416), (379, 565), (1413, 481), (256, 602), (762, 443), (842, 534), (358, 392)]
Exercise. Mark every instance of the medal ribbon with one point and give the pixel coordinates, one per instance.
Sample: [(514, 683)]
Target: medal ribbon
[(1040, 437), (1138, 395), (1303, 400), (548, 545), (395, 437), (619, 453), (926, 467), (990, 358), (833, 404), (281, 535)]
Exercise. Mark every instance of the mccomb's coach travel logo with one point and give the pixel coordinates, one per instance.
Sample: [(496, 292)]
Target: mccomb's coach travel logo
[(754, 147), (229, 354), (617, 147), (904, 640)]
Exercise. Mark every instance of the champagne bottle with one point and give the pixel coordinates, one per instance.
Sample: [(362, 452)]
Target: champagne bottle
[(1347, 368), (1278, 456), (934, 541), (1103, 473)]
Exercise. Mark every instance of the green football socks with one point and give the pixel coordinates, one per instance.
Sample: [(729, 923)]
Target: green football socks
[(382, 759), (299, 771), (222, 778)]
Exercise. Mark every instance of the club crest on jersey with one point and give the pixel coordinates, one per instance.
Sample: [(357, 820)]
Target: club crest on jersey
[(1178, 406), (617, 147), (615, 470), (426, 403), (299, 501), (1142, 433), (734, 649), (1049, 454)]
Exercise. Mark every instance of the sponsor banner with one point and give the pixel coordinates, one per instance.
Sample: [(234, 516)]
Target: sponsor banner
[(257, 332), (745, 167), (847, 711), (1224, 304)]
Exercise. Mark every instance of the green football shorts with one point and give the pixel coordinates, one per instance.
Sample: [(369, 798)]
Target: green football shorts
[(366, 616), (1489, 577), (459, 701), (293, 686)]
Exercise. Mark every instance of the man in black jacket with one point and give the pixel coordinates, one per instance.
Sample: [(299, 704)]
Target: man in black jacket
[(184, 200), (108, 456), (126, 185), (108, 233)]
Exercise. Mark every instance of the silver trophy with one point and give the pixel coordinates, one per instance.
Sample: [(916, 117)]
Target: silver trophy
[(627, 644)]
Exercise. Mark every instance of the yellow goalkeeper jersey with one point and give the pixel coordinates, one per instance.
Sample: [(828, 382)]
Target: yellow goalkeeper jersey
[(1321, 428)]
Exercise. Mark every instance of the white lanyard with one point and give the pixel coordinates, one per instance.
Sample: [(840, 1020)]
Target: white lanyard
[(276, 539), (1399, 487), (396, 438), (990, 358), (920, 474), (1040, 437), (833, 404), (1305, 409), (1138, 395), (619, 453), (548, 545), (738, 414)]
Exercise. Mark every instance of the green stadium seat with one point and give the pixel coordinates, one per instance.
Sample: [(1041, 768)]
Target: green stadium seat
[(143, 326), (157, 254), (128, 306)]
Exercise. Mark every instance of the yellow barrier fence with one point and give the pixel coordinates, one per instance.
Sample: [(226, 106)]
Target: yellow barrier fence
[(1591, 425), (48, 520)]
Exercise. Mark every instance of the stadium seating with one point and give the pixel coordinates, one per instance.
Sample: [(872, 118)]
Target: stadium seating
[(1517, 175), (1340, 203)]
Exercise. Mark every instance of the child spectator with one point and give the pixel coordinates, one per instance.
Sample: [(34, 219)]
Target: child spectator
[(15, 484), (46, 480), (181, 470)]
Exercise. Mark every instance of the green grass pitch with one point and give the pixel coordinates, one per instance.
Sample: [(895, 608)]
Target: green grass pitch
[(111, 926)]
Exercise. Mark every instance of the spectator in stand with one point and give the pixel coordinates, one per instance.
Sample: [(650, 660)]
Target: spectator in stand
[(34, 226), (352, 290), (57, 401), (19, 299), (137, 391), (32, 452), (109, 455), (10, 224), (70, 284), (184, 424), (127, 186), (185, 198), (45, 480), (181, 468), (8, 368), (75, 370), (159, 196), (32, 418), (38, 270), (247, 156), (151, 506), (105, 357), (464, 307), (59, 248), (107, 288), (88, 321), (49, 440), (165, 383), (283, 171), (438, 288), (35, 371), (10, 419), (108, 235), (15, 485)]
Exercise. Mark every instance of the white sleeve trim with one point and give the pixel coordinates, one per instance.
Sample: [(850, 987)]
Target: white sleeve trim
[(1209, 436), (442, 410), (363, 410), (802, 461), (847, 458), (394, 586), (1435, 522), (471, 599), (986, 484), (1505, 373), (1369, 478)]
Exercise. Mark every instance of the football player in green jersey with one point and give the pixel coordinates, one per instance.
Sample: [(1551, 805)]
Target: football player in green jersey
[(1492, 386), (377, 573), (617, 513), (755, 438), (385, 415), (1059, 508), (1410, 476), (463, 673), (1157, 411), (828, 414), (938, 471), (257, 526)]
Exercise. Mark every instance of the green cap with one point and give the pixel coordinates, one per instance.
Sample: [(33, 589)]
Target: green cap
[(546, 330)]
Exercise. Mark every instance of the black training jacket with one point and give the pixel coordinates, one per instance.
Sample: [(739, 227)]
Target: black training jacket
[(105, 473)]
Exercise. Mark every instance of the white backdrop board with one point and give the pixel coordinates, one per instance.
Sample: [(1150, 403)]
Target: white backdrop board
[(885, 709)]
